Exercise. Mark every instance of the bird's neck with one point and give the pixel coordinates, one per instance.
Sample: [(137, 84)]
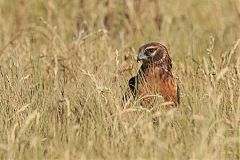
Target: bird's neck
[(162, 66)]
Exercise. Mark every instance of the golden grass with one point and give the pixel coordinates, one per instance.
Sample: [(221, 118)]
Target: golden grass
[(64, 66)]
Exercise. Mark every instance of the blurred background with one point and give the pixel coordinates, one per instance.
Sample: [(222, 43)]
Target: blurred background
[(185, 25)]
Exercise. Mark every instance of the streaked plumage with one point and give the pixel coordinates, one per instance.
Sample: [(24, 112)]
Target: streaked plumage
[(154, 76)]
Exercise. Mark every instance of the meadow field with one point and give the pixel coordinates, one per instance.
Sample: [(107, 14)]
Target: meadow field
[(65, 65)]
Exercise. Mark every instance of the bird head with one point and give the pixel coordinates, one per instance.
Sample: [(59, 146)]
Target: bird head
[(154, 53)]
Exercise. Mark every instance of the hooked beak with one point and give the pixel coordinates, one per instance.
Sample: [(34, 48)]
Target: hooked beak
[(141, 57)]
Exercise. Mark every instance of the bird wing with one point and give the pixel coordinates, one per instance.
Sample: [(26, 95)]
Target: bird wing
[(132, 83), (132, 89)]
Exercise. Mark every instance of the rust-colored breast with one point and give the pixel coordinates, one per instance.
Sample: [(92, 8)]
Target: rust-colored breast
[(156, 80)]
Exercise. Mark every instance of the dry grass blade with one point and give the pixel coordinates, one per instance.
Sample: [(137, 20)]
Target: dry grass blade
[(222, 73), (22, 109), (65, 65)]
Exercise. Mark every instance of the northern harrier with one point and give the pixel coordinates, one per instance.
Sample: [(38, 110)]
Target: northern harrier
[(154, 76)]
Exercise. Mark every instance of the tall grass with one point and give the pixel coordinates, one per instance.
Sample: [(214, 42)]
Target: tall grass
[(64, 67)]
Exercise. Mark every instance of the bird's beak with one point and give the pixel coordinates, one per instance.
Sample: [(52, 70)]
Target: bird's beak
[(141, 57)]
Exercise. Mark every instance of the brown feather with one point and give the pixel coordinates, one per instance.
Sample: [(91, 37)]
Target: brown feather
[(155, 76)]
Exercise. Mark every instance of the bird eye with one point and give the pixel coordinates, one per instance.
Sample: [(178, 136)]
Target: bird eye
[(149, 51)]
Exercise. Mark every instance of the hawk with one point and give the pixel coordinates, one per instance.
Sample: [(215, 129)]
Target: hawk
[(155, 76)]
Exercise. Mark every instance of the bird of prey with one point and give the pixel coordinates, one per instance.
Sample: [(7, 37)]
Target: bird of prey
[(154, 76)]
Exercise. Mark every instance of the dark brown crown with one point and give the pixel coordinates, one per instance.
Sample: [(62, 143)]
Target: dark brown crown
[(155, 53)]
